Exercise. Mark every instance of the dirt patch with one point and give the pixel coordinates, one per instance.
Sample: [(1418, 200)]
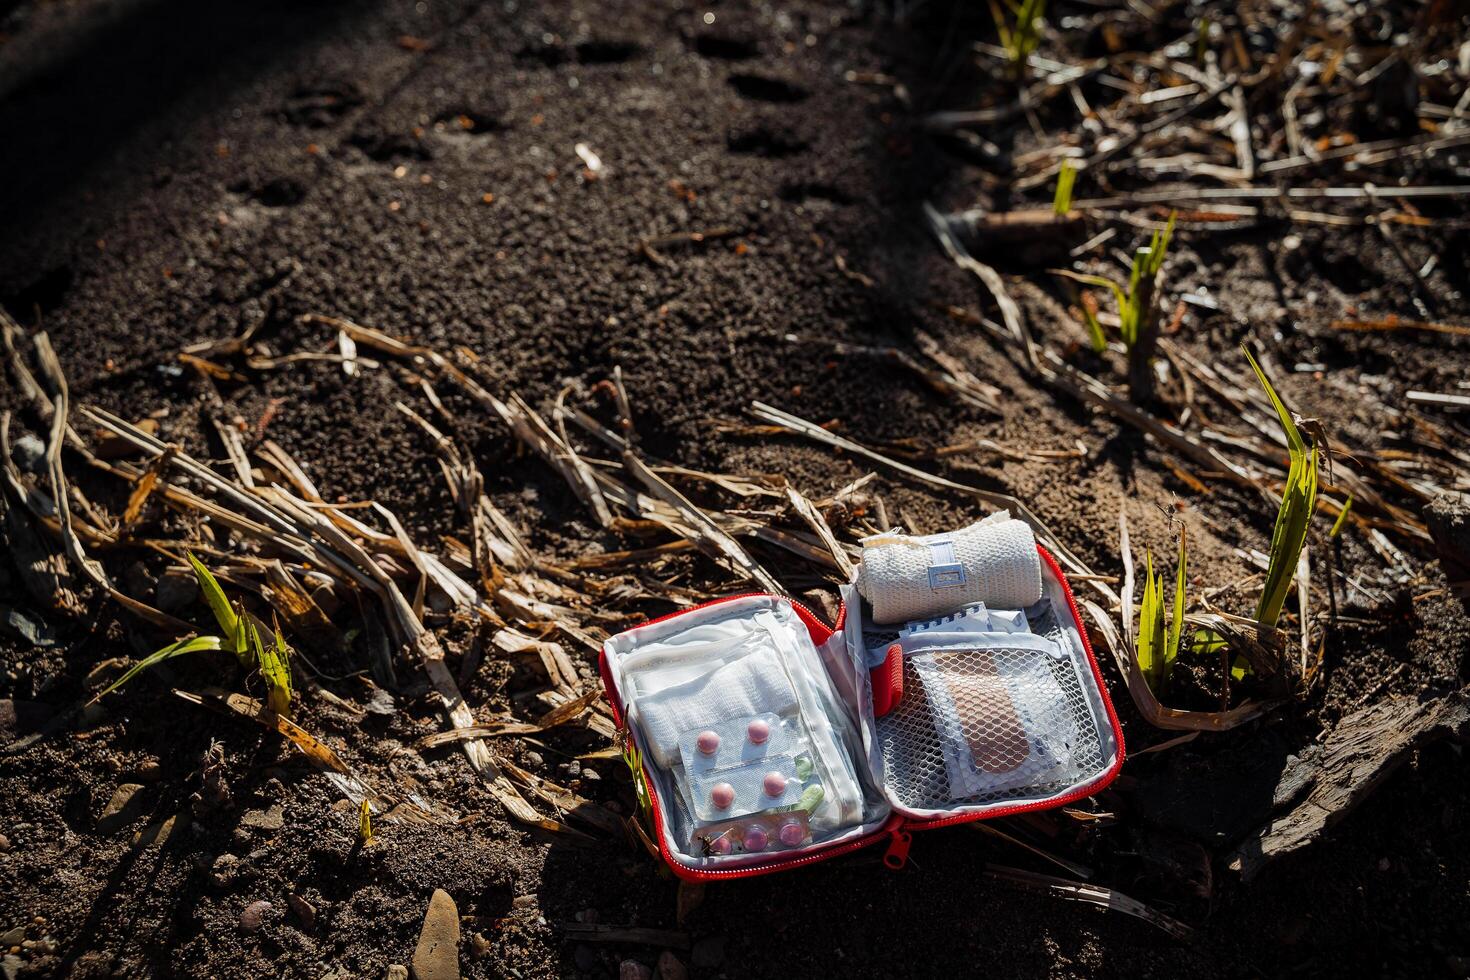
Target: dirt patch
[(184, 175)]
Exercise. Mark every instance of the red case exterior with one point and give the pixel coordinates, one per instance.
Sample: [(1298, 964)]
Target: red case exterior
[(897, 827)]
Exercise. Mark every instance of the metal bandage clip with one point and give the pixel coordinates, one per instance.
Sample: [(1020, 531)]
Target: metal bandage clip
[(945, 572)]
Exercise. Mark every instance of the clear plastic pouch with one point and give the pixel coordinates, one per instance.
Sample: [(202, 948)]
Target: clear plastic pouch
[(987, 717)]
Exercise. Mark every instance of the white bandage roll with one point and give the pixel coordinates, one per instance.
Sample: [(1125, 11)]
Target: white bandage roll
[(993, 561)]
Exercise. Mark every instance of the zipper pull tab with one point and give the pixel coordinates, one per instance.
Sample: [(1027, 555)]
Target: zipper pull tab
[(897, 854)]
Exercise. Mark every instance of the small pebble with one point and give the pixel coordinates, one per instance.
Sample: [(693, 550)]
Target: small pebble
[(254, 915), (791, 834), (708, 742), (774, 784), (4, 844), (758, 731), (633, 970), (304, 910), (756, 839), (670, 967), (722, 795)]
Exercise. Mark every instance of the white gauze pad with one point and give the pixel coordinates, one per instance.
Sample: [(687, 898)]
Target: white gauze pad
[(755, 684)]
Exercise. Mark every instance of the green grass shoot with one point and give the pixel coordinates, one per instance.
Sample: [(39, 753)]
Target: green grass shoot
[(634, 761), (1341, 521), (231, 623), (190, 644), (1061, 202), (1298, 501), (275, 668), (1134, 312), (1095, 336), (1138, 309), (1021, 38), (1159, 635)]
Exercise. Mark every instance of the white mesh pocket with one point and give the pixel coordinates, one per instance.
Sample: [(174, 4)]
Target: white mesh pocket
[(988, 720)]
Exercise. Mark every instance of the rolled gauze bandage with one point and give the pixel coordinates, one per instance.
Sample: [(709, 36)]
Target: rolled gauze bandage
[(993, 561)]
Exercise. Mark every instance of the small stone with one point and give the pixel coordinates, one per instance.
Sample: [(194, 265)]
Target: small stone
[(304, 910), (14, 937), (533, 760), (10, 966), (254, 915), (148, 771), (708, 952), (223, 870), (29, 453), (270, 820), (633, 970), (4, 844), (159, 833), (396, 971), (124, 808), (670, 967), (437, 955), (174, 592), (479, 946)]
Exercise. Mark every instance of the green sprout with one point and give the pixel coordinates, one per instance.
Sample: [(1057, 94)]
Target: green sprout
[(241, 637), (231, 623), (1021, 38), (1095, 335), (1061, 202), (1138, 309), (365, 823), (190, 644), (634, 760), (1298, 501), (275, 669), (1341, 521), (1158, 640)]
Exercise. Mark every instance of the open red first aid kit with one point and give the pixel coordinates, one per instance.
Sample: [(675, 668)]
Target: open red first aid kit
[(957, 685)]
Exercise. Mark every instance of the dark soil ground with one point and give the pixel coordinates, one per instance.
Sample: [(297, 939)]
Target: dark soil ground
[(174, 172)]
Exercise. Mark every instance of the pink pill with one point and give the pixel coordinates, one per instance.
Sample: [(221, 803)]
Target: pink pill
[(756, 839), (722, 795), (758, 731), (775, 784), (708, 742), (791, 834), (720, 845)]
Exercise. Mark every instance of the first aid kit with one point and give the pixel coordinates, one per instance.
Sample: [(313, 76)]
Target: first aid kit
[(957, 684)]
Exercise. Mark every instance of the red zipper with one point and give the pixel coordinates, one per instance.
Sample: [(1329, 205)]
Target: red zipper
[(896, 827)]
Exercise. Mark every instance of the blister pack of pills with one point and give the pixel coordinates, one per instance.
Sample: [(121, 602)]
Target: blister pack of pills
[(738, 741), (753, 835), (749, 788)]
